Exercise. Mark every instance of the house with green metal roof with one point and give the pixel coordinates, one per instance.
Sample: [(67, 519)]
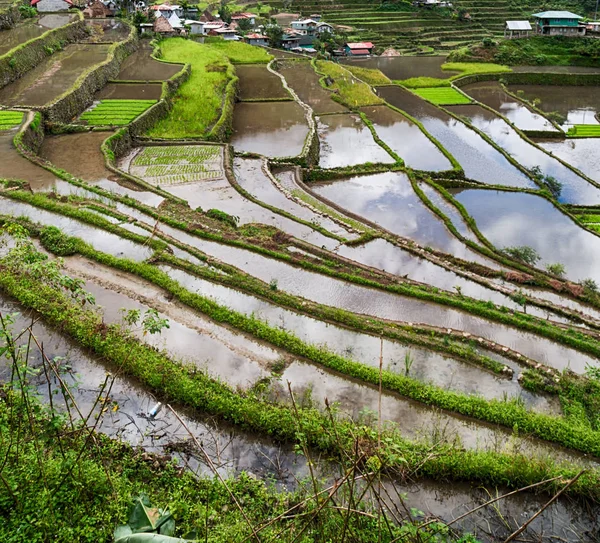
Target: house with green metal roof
[(559, 23)]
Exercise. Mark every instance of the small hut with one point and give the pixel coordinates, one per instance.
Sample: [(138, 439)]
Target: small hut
[(163, 27), (517, 29)]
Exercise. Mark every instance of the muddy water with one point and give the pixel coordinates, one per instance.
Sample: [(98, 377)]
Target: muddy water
[(140, 66), (30, 29), (336, 293), (493, 95), (250, 175), (415, 421), (99, 239), (231, 450), (427, 366), (509, 219), (14, 166), (583, 154), (107, 30), (450, 211), (219, 194), (53, 76), (130, 91), (347, 141), (578, 105), (389, 200), (258, 83), (406, 67), (478, 158), (273, 129), (190, 337), (59, 150), (301, 77), (406, 139), (575, 189)]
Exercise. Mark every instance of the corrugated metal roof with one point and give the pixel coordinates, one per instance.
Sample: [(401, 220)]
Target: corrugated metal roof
[(557, 15), (518, 25), (359, 52)]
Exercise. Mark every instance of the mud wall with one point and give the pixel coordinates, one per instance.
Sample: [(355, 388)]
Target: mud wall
[(31, 136), (28, 55), (224, 126), (80, 96)]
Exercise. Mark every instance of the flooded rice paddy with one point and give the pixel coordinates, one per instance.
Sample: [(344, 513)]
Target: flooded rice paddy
[(406, 139), (258, 83), (29, 29), (59, 151), (301, 77), (493, 95), (577, 105), (346, 141), (107, 30), (480, 160), (575, 189), (397, 68), (516, 219), (268, 122), (53, 76), (140, 66), (273, 129), (581, 153)]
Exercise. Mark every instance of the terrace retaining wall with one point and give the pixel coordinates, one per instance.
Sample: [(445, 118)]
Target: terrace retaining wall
[(74, 101), (532, 78), (28, 55), (9, 16)]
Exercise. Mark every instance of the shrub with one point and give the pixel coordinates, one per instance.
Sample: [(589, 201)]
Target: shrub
[(223, 217), (556, 269), (58, 243), (525, 254)]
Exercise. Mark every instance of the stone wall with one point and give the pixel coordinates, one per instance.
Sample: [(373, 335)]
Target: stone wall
[(9, 16), (28, 55), (81, 95)]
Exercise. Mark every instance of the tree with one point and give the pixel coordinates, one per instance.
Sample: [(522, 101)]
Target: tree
[(525, 254), (275, 35), (225, 12), (244, 25)]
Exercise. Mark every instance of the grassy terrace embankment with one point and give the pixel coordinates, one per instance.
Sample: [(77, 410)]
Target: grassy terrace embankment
[(204, 102)]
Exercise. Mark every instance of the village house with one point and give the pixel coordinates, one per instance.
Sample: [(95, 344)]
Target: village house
[(361, 49), (290, 39), (559, 23), (257, 39), (517, 29), (592, 26), (315, 17), (166, 10), (237, 17), (196, 27), (111, 6), (45, 6), (306, 27), (322, 28), (140, 5), (225, 33)]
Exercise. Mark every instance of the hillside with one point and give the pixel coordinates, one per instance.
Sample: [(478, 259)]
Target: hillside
[(420, 30)]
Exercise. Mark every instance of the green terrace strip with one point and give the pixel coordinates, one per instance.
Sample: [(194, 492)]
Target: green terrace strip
[(115, 112), (442, 96), (577, 131), (507, 413), (570, 337), (10, 119), (348, 90), (369, 75), (186, 385), (465, 69)]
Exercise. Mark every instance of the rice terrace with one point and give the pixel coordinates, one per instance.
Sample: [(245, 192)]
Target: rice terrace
[(300, 271)]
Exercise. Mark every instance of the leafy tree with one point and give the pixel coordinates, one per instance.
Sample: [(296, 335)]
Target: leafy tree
[(275, 35), (525, 254), (244, 25), (225, 12), (557, 269)]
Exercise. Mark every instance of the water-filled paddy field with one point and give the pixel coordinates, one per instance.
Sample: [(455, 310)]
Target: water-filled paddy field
[(30, 29), (323, 251)]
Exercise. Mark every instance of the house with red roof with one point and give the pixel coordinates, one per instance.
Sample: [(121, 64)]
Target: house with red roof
[(361, 49), (45, 6), (256, 39)]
